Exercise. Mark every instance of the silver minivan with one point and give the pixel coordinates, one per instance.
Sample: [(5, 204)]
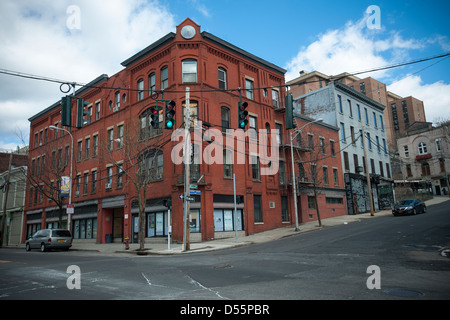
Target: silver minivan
[(46, 239)]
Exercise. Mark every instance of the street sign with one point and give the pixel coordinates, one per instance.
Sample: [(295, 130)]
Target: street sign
[(188, 198), (70, 208), (193, 186), (181, 196), (195, 192)]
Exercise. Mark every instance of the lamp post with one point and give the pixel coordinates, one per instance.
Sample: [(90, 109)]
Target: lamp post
[(294, 188), (70, 177)]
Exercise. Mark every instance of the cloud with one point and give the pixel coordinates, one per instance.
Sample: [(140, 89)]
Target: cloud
[(352, 48), (436, 96), (45, 38)]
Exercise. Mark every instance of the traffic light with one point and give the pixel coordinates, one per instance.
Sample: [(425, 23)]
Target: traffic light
[(154, 115), (81, 113), (66, 111), (290, 123), (243, 114), (169, 121)]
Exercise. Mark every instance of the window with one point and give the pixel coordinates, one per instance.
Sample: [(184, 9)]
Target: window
[(311, 202), (227, 164), (346, 163), (86, 183), (381, 168), (77, 190), (249, 88), (378, 143), (372, 166), (225, 220), (108, 177), (342, 132), (422, 148), (117, 100), (88, 147), (384, 146), (330, 200), (322, 145), (374, 119), (151, 83), (110, 139), (94, 181), (80, 150), (381, 122), (275, 98), (257, 208), (255, 168), (282, 173), (408, 170), (95, 146), (362, 88), (120, 136), (438, 144), (340, 104), (164, 77), (119, 176), (355, 162), (193, 108), (279, 127), (311, 141), (406, 150), (189, 70), (352, 134), (333, 153), (369, 141), (366, 116), (350, 108), (140, 88), (358, 109), (97, 110), (325, 175), (153, 165), (222, 79), (225, 113), (388, 171)]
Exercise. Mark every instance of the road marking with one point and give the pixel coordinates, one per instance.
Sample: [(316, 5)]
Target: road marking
[(4, 261)]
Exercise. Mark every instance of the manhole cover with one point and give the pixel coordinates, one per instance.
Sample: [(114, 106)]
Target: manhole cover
[(407, 293)]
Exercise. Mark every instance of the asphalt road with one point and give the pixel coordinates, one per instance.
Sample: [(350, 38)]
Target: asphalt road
[(397, 256)]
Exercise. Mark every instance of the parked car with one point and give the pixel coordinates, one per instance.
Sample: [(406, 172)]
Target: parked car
[(410, 206), (47, 239)]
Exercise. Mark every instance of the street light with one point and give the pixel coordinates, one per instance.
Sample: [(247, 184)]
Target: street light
[(70, 178), (294, 189)]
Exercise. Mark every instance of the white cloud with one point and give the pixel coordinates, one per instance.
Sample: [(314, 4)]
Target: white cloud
[(38, 41), (352, 48), (435, 96)]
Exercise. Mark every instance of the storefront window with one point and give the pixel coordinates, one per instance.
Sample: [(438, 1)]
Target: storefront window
[(224, 220)]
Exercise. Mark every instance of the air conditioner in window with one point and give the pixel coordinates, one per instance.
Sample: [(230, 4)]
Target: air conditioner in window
[(116, 109), (108, 186)]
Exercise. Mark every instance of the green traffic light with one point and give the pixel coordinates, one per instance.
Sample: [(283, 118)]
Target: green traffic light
[(169, 124)]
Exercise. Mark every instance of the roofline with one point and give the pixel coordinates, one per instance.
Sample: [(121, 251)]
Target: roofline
[(359, 95), (224, 44), (155, 45)]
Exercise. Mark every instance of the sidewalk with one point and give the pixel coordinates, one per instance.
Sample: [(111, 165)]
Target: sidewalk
[(161, 247)]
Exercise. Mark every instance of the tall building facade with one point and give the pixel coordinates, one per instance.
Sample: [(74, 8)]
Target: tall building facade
[(354, 114), (125, 155)]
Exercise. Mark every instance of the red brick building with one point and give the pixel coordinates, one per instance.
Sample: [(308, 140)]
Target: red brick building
[(119, 121)]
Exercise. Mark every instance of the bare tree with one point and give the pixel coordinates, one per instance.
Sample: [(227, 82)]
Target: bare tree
[(134, 151)]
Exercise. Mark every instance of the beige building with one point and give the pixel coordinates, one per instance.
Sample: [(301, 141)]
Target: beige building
[(424, 154)]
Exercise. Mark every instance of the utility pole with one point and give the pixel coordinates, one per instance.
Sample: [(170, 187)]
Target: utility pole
[(187, 176), (367, 172), (5, 200)]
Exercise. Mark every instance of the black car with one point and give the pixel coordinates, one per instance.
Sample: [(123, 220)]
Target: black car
[(410, 206)]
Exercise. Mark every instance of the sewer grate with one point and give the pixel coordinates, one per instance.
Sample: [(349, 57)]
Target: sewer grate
[(406, 293)]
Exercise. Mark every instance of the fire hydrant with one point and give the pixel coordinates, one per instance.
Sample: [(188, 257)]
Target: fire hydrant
[(127, 243)]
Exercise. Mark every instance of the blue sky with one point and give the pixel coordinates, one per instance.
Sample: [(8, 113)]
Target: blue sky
[(327, 36)]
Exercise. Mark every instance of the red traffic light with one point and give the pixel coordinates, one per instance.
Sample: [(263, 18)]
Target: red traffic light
[(244, 105)]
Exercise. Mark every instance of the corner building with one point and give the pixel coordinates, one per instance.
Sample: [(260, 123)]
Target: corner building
[(103, 192)]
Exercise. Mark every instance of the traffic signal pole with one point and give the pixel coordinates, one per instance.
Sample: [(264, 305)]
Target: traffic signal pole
[(187, 176)]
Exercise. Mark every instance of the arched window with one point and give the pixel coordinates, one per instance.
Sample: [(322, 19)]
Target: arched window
[(422, 148), (140, 87)]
